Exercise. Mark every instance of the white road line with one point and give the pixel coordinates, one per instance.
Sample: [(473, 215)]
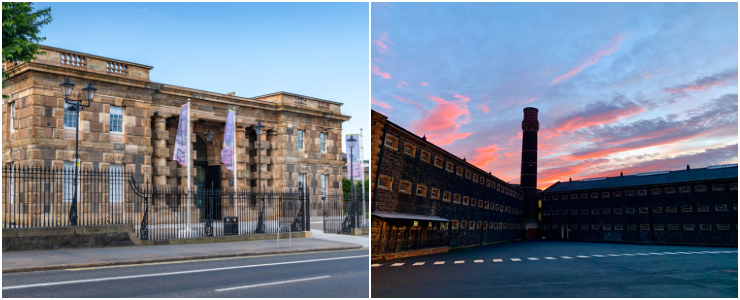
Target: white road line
[(439, 263), (418, 264), (582, 256), (376, 265), (459, 262), (550, 258), (172, 273), (397, 264), (655, 253), (598, 255), (498, 260), (515, 259), (567, 257), (683, 253), (627, 254), (641, 254), (671, 253), (478, 261), (533, 258), (694, 252), (271, 283), (613, 255)]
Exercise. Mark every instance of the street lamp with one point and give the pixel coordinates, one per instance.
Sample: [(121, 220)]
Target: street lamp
[(89, 93), (351, 141), (258, 129)]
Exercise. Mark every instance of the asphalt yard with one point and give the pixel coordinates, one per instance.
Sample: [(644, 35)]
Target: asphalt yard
[(562, 269)]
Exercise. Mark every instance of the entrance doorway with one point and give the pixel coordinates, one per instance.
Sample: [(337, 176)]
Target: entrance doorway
[(208, 178)]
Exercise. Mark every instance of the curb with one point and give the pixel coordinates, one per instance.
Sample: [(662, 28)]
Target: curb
[(153, 260)]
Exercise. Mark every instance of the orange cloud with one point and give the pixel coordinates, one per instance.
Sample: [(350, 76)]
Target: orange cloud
[(482, 107), (509, 154), (442, 123), (579, 122), (377, 71), (481, 156), (547, 177), (424, 83), (606, 50), (380, 103)]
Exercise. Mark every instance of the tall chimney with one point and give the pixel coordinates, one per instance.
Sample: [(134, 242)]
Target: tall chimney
[(528, 179)]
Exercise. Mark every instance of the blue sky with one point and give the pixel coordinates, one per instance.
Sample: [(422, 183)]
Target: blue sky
[(313, 49), (620, 86)]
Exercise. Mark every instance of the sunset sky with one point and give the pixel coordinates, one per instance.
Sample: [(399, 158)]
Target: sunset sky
[(621, 87)]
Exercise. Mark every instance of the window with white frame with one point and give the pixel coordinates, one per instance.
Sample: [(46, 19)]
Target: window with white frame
[(70, 119), (301, 137), (68, 182), (116, 183), (302, 180), (322, 136), (324, 186), (116, 119), (12, 117), (12, 183)]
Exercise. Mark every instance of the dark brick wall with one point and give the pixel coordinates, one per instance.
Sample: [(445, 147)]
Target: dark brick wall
[(663, 201), (400, 166)]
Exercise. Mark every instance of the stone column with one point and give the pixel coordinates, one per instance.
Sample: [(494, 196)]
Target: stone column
[(161, 151)]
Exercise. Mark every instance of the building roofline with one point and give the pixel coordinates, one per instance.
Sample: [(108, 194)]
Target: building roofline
[(97, 56), (298, 95)]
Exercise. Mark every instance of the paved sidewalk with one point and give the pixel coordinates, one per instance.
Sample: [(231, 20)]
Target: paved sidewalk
[(363, 240), (26, 261)]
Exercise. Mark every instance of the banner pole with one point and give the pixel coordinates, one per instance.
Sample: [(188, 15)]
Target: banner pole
[(190, 198), (233, 165)]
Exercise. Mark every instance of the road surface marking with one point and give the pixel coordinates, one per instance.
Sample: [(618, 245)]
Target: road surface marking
[(376, 265), (598, 255), (478, 261), (641, 254), (533, 258), (397, 265), (418, 264), (460, 262), (137, 276), (498, 260), (671, 253), (439, 263), (627, 254), (683, 252), (582, 256), (271, 283), (613, 255), (567, 257), (694, 252), (550, 258), (655, 253), (515, 259)]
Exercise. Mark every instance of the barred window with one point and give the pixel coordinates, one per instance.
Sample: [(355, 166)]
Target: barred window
[(701, 188), (631, 227), (655, 191), (702, 208), (671, 209), (685, 189), (605, 195), (657, 209), (672, 226), (116, 119), (718, 188), (642, 192), (705, 227), (594, 195), (617, 211), (629, 193), (670, 190), (658, 227), (720, 207), (617, 194), (688, 227)]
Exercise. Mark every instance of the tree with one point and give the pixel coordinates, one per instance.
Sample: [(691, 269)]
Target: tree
[(347, 186), (20, 32)]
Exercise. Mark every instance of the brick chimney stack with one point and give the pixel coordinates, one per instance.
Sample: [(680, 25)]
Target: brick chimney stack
[(528, 179)]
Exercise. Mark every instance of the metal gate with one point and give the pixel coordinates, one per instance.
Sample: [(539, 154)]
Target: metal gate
[(342, 214)]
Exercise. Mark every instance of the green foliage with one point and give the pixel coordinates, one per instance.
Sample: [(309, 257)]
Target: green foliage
[(347, 186), (20, 31)]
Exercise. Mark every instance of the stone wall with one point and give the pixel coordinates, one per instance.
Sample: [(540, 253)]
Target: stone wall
[(676, 213), (50, 238)]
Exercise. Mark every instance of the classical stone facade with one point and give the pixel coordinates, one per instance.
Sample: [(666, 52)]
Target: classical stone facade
[(414, 180), (692, 206), (36, 134)]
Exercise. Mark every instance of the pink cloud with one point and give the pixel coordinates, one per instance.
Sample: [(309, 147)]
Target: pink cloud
[(382, 47), (509, 154), (707, 82), (380, 103), (442, 123), (400, 86), (608, 49), (424, 83), (483, 155), (530, 100), (414, 103), (377, 71), (482, 107)]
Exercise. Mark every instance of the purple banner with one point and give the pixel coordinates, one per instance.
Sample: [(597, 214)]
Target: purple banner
[(356, 168), (181, 140), (227, 154)]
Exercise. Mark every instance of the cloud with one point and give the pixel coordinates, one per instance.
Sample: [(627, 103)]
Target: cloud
[(530, 100), (509, 154), (414, 103), (441, 124), (545, 177), (704, 83), (718, 114), (598, 113), (380, 5), (377, 71), (482, 107), (481, 156), (380, 103), (382, 42), (400, 86), (608, 49), (424, 83)]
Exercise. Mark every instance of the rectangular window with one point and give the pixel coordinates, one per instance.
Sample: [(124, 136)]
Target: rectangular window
[(701, 188), (630, 210), (584, 226), (324, 186), (12, 117), (446, 197), (706, 227), (643, 210), (723, 226), (323, 142), (435, 193), (116, 119), (718, 188), (629, 193), (584, 196), (685, 189), (670, 191), (594, 195), (617, 194), (300, 139), (617, 211), (720, 207), (642, 192), (116, 183), (655, 191), (657, 209), (70, 120), (618, 227), (703, 208), (671, 209), (302, 180), (672, 226), (688, 227), (658, 227), (631, 227), (584, 212), (686, 209), (605, 195), (437, 162), (68, 188), (595, 211)]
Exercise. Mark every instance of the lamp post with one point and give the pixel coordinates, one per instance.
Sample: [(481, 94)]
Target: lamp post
[(261, 221), (89, 92), (351, 141)]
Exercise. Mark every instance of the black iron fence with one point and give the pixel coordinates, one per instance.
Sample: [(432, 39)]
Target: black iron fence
[(43, 198)]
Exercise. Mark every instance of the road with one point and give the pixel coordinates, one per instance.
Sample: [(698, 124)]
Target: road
[(316, 274), (550, 269)]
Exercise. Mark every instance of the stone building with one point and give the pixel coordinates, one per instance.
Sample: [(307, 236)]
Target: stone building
[(132, 123), (692, 206), (426, 200)]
